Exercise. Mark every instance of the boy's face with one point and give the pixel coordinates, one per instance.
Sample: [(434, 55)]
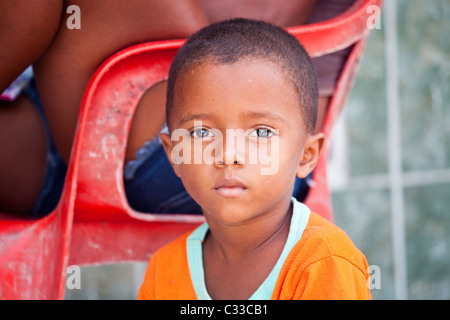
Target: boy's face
[(238, 139)]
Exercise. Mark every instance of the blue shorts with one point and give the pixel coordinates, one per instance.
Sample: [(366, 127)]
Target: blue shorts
[(151, 185)]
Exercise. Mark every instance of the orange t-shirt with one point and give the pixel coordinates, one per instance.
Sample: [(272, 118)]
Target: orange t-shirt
[(323, 264)]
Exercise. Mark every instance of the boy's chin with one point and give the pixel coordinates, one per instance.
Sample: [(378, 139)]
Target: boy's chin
[(231, 213), (237, 215)]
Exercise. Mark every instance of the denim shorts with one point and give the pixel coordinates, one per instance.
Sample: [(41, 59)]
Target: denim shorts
[(152, 186)]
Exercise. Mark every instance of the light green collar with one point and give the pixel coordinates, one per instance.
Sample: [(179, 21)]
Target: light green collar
[(300, 216)]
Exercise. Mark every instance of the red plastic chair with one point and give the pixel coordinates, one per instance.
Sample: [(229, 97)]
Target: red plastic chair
[(93, 223), (106, 228), (346, 29)]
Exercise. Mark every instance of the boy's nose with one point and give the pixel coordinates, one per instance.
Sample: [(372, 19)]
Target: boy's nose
[(221, 163), (231, 153), (228, 158)]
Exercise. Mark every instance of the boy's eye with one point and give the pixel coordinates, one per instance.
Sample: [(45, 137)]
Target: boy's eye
[(202, 133), (262, 133)]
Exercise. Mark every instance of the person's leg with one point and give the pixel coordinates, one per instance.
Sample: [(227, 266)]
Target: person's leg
[(149, 119), (286, 13), (22, 156), (106, 27), (27, 27)]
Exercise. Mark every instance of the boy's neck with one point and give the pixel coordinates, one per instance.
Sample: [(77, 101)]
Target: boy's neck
[(255, 235)]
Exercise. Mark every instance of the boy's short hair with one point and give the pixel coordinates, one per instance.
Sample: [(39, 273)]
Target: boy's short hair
[(232, 40)]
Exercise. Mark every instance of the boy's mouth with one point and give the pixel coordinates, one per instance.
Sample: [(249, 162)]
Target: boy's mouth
[(230, 188)]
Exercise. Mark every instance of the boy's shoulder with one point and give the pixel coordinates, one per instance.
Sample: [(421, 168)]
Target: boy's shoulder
[(323, 239), (323, 264), (167, 275)]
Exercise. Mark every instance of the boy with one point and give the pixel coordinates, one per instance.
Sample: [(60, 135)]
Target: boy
[(258, 242)]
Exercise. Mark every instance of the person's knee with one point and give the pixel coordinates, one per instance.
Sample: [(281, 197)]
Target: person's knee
[(27, 28)]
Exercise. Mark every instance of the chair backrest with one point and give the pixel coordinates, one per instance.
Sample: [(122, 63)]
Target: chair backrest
[(106, 229), (106, 113), (319, 196), (339, 32), (116, 88), (349, 28)]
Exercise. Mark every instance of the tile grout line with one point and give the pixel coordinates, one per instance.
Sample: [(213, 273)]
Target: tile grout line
[(395, 152), (381, 181)]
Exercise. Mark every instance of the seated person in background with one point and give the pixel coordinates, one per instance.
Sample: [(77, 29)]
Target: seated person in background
[(37, 128), (258, 242)]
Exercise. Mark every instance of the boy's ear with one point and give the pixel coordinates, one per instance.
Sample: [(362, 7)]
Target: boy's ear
[(312, 149), (168, 146)]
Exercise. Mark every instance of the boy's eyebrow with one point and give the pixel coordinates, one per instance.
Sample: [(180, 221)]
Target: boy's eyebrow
[(246, 114), (260, 115), (197, 116)]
